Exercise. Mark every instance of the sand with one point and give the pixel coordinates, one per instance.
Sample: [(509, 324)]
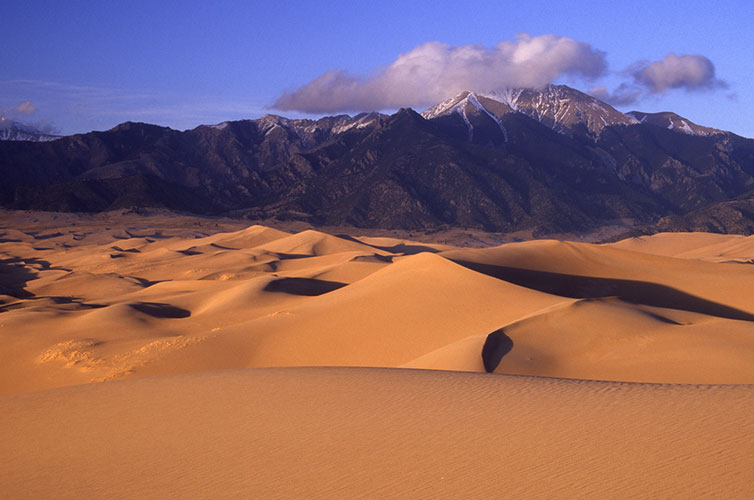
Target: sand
[(173, 356), (376, 433)]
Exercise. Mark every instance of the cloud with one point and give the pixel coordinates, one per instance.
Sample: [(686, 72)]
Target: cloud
[(9, 118), (435, 71), (80, 108), (624, 95), (687, 71), (23, 108)]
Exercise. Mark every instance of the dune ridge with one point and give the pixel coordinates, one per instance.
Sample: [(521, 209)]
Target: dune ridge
[(172, 357), (162, 297)]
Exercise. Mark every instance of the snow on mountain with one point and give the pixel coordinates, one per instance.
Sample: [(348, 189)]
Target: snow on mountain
[(559, 107), (673, 121), (468, 104), (309, 130), (359, 121), (11, 130), (305, 132)]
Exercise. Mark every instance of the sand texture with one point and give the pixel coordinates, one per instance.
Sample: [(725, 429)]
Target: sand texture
[(376, 433), (239, 361)]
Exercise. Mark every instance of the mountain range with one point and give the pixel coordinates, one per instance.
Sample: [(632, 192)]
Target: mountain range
[(548, 160)]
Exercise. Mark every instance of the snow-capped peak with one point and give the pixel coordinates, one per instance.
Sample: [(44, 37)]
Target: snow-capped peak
[(447, 106), (467, 103), (561, 108)]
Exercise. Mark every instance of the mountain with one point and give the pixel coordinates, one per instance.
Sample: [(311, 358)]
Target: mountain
[(11, 130), (558, 107), (549, 160), (673, 122)]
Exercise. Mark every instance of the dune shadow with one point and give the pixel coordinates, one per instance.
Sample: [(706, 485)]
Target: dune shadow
[(399, 248), (497, 345), (129, 250), (145, 282), (583, 287), (156, 235), (37, 236), (222, 247), (61, 300), (407, 249), (286, 256), (388, 259), (14, 275), (160, 310), (43, 265), (303, 286)]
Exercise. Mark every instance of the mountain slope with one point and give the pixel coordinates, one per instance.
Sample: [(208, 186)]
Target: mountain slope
[(673, 121), (549, 160)]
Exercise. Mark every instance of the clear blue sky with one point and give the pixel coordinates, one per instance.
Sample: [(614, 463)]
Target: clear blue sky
[(89, 65)]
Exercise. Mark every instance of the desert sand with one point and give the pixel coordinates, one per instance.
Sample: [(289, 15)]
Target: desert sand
[(171, 356)]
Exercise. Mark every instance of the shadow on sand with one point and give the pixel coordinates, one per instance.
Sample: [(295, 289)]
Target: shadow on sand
[(582, 287), (497, 345), (400, 248), (303, 286), (159, 310), (14, 274)]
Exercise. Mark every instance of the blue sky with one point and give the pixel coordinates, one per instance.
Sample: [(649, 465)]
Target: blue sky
[(85, 65)]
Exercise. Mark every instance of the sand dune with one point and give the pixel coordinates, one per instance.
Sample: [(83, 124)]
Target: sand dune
[(605, 339), (583, 270), (180, 321), (152, 297), (731, 248), (386, 319), (375, 433)]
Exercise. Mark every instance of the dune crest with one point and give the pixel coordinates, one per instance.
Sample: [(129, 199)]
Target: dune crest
[(82, 304), (180, 357)]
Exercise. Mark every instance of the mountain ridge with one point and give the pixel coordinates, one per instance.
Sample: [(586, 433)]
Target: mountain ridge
[(554, 160)]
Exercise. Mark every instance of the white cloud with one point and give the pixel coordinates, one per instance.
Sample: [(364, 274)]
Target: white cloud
[(435, 71), (687, 72), (690, 72)]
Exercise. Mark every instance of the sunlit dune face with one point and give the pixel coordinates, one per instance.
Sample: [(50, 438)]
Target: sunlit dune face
[(81, 303), (275, 364)]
